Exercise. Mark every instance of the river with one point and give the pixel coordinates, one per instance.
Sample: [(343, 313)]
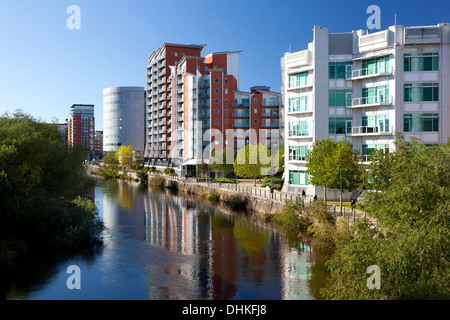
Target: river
[(161, 245)]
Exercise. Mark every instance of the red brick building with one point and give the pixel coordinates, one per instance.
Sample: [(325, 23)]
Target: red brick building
[(81, 126)]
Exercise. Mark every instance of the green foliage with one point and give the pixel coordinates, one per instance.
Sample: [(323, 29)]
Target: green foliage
[(169, 171), (253, 161), (142, 175), (157, 181), (218, 162), (39, 177), (110, 167), (292, 218), (408, 194), (277, 183), (213, 197), (325, 160), (202, 167)]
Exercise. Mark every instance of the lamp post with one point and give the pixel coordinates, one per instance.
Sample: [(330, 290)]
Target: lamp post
[(340, 197)]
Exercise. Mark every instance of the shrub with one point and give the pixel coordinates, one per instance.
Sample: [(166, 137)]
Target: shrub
[(277, 183), (157, 182), (213, 197), (291, 217)]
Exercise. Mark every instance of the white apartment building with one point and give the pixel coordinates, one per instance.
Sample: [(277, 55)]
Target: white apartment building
[(364, 87)]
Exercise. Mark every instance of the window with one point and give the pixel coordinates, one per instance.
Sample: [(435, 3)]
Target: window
[(298, 79), (216, 121), (255, 100), (421, 61), (298, 153), (414, 92), (375, 66), (216, 90), (226, 111), (372, 124), (176, 54), (339, 98), (226, 81), (255, 111), (255, 121), (297, 177), (226, 100), (226, 121), (298, 104), (421, 122), (298, 129), (216, 101), (216, 80), (339, 70), (367, 149), (176, 62), (226, 90), (375, 94), (216, 111), (339, 125)]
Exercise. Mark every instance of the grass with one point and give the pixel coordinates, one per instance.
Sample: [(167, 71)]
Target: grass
[(348, 205), (227, 180)]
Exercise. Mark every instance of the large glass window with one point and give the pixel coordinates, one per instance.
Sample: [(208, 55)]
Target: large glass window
[(339, 98), (297, 177), (339, 125), (339, 70), (298, 153), (375, 94), (375, 66), (414, 92), (298, 79), (367, 149), (298, 129), (298, 104), (421, 61), (417, 122), (372, 124)]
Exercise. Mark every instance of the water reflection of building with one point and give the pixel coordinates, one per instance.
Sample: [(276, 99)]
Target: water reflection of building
[(295, 272), (217, 255)]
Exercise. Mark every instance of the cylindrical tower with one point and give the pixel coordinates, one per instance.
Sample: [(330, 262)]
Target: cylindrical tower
[(124, 118)]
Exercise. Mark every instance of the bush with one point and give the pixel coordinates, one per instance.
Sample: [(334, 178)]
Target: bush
[(213, 197), (169, 171), (142, 175), (157, 182), (277, 183), (291, 217)]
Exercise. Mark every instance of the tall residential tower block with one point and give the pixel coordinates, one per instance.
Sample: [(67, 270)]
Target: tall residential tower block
[(194, 103)]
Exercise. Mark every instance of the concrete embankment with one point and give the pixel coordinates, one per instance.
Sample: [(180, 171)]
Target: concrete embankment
[(251, 202)]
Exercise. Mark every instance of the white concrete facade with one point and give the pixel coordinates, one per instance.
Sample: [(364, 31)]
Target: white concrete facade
[(364, 87), (124, 118)]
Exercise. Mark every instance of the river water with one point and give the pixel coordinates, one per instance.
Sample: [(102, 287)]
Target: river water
[(165, 246)]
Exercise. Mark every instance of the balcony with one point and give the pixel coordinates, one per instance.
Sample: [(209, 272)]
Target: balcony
[(365, 102), (241, 125), (161, 74), (297, 134), (380, 130), (203, 85), (242, 104), (305, 85), (180, 81), (180, 100), (240, 115), (204, 105), (181, 119), (365, 73), (162, 65), (203, 115), (203, 95), (270, 114), (270, 124)]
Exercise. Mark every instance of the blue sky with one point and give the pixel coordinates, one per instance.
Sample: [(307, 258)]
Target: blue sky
[(45, 67)]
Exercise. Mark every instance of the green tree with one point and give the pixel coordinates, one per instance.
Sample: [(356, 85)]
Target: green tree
[(202, 167), (408, 193), (39, 178), (252, 162), (218, 162), (326, 160), (110, 167)]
